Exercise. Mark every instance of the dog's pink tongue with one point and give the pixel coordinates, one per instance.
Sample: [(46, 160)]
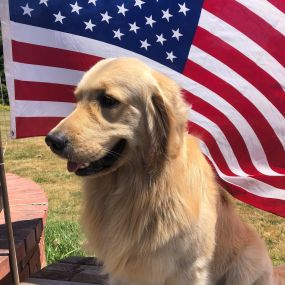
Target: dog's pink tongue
[(72, 166)]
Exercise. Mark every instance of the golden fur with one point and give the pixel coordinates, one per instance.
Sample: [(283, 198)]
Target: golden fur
[(157, 217)]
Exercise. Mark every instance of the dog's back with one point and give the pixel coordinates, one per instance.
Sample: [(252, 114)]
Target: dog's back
[(240, 256)]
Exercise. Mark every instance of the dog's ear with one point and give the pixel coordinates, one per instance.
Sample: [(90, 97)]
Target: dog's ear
[(168, 120), (160, 127)]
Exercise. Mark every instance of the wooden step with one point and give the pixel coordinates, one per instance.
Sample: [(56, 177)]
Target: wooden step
[(70, 271), (36, 281)]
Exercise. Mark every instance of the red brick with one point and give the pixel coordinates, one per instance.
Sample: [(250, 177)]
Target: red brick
[(20, 216), (25, 273), (35, 262), (30, 241), (28, 208), (28, 205), (4, 260), (7, 280), (42, 251), (30, 199), (19, 229), (27, 258), (39, 230), (26, 234), (4, 266), (33, 201)]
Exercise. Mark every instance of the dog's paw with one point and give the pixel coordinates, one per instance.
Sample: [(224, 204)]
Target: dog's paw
[(115, 281)]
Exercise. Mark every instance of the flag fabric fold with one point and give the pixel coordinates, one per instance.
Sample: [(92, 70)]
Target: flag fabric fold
[(227, 56)]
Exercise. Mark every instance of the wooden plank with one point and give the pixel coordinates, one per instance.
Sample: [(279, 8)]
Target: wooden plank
[(58, 271), (35, 281), (90, 277), (72, 272), (82, 260)]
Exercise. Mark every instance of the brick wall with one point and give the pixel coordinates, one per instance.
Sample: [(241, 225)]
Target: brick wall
[(28, 205)]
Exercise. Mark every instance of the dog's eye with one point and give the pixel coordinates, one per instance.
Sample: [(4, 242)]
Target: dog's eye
[(107, 101)]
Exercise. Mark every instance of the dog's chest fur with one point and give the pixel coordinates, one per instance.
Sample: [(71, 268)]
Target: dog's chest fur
[(145, 233)]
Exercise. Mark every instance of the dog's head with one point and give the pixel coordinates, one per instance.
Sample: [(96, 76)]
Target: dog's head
[(125, 113)]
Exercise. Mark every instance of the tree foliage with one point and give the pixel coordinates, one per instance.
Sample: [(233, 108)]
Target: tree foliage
[(2, 75)]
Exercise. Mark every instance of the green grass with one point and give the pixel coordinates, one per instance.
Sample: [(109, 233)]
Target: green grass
[(63, 238), (4, 107), (32, 159)]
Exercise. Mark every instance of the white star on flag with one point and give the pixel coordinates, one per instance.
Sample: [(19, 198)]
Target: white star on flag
[(118, 34), (105, 17), (89, 25), (27, 10), (145, 44), (75, 8), (134, 27), (160, 39), (139, 3), (149, 20), (170, 56), (59, 17), (166, 15), (92, 2), (122, 9), (183, 8), (176, 34), (44, 2)]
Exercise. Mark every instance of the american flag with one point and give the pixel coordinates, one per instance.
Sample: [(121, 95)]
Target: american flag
[(227, 55)]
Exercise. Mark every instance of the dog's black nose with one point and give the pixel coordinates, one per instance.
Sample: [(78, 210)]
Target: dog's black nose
[(57, 141)]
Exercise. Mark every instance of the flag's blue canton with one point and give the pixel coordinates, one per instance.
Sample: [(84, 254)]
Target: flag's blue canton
[(162, 30)]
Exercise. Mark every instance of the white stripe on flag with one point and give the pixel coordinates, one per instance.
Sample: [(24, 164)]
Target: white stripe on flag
[(249, 184), (242, 43), (252, 142), (267, 12), (269, 111), (221, 140), (42, 109), (40, 73)]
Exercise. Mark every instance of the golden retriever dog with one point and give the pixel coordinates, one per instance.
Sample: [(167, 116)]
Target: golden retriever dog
[(153, 211)]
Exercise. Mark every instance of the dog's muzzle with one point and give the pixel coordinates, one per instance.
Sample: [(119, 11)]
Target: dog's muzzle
[(58, 143)]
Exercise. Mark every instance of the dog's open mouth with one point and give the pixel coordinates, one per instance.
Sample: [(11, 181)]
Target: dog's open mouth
[(85, 169)]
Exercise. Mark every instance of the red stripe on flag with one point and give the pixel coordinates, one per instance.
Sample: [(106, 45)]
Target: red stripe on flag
[(245, 164), (233, 136), (274, 206), (279, 4), (35, 126), (271, 145), (204, 135), (249, 24), (48, 56), (42, 91), (275, 181), (248, 69)]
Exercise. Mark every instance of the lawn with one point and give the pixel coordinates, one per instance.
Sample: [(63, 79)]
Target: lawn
[(31, 158)]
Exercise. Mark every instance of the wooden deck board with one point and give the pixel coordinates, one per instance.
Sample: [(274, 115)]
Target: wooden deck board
[(37, 281), (70, 271)]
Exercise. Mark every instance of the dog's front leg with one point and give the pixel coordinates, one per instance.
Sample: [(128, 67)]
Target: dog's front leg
[(115, 281), (197, 276)]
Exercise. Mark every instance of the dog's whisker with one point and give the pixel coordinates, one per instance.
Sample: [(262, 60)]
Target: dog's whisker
[(115, 153)]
